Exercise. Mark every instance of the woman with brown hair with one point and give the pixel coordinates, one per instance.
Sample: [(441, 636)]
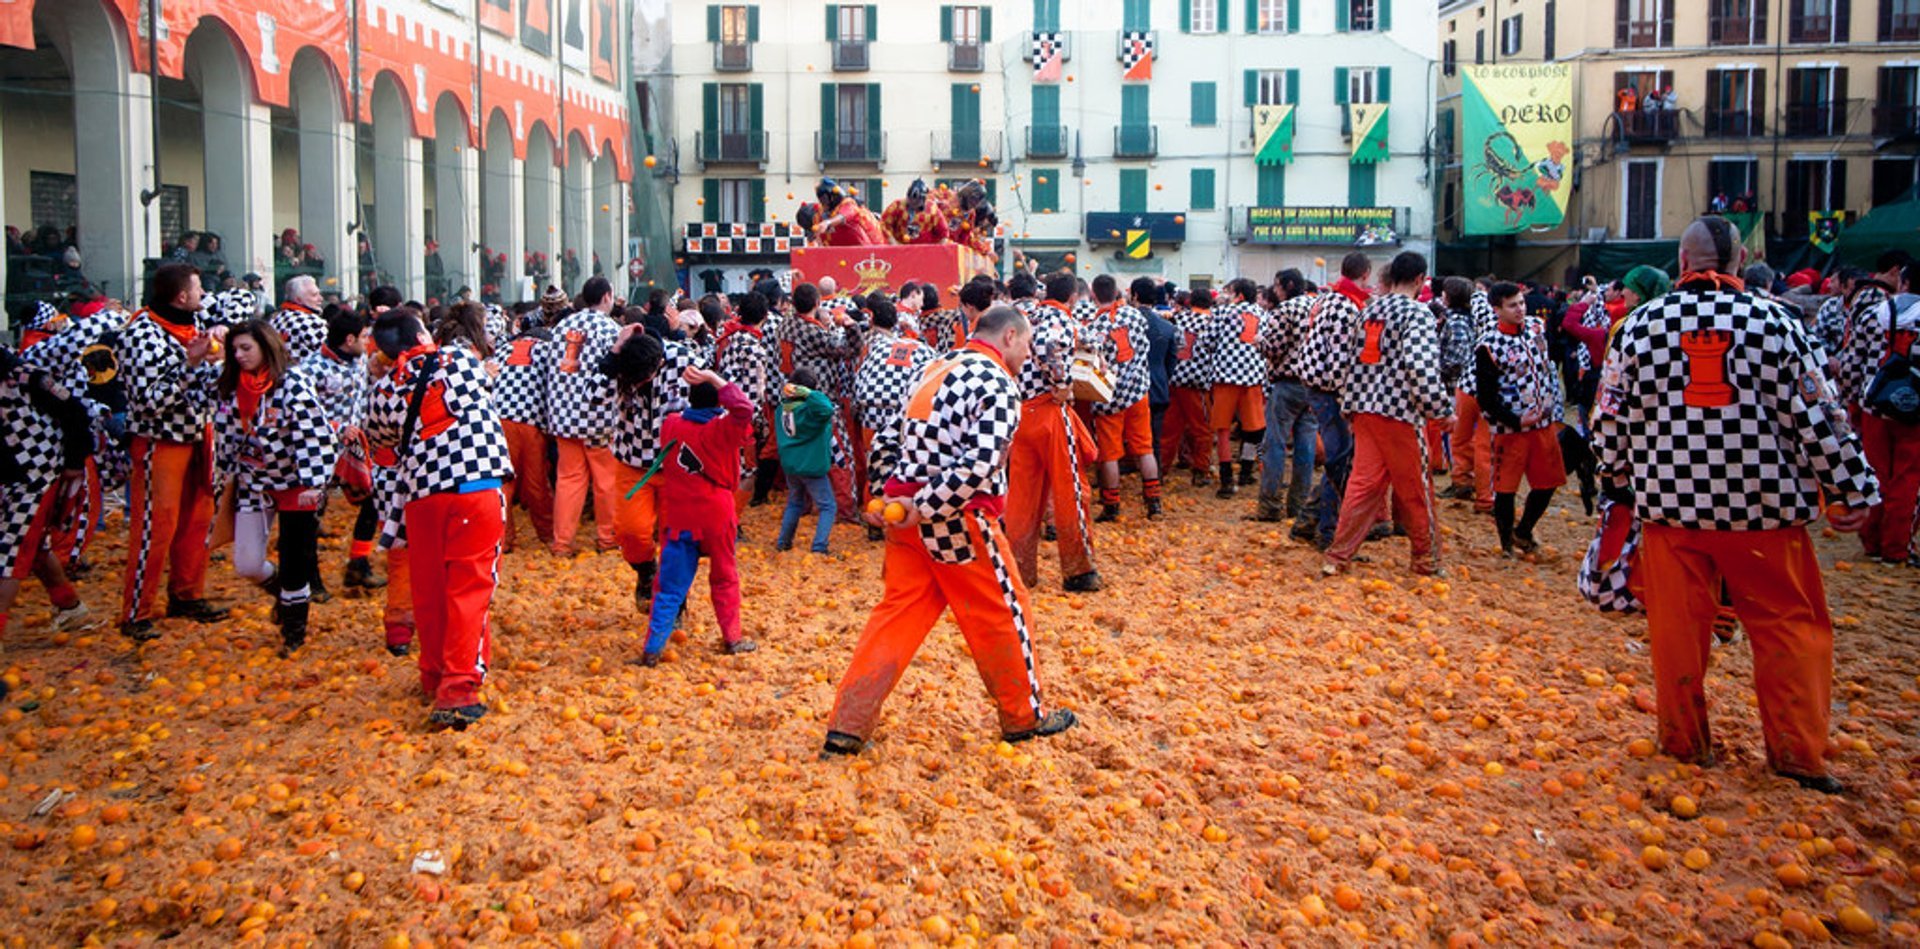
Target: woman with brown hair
[(274, 452)]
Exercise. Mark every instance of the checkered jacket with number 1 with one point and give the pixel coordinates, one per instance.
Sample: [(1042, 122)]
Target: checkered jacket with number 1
[(1120, 335), (581, 403), (1190, 369), (1231, 345), (1714, 407), (887, 374), (1396, 372)]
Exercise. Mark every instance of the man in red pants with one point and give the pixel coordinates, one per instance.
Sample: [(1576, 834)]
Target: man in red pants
[(1045, 458), (1882, 329), (945, 466), (1391, 391), (1188, 415), (1716, 421), (436, 412)]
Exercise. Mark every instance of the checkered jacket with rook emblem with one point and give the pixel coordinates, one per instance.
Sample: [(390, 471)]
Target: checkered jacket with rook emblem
[(1332, 343), (1396, 372), (1230, 345), (636, 436), (1120, 334), (1190, 369), (520, 390), (581, 403)]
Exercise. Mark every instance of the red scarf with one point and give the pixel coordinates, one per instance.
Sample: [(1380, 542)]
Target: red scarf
[(1711, 278), (253, 386), (1352, 291), (727, 331), (29, 337)]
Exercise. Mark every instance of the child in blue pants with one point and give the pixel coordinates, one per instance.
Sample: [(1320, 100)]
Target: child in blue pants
[(804, 429)]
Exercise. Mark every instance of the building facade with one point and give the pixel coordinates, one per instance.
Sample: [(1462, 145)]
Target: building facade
[(497, 129), (1780, 108), (1112, 136)]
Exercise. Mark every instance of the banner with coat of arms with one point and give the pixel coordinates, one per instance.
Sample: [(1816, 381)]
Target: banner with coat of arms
[(1136, 56), (1823, 229), (1369, 132), (1272, 134)]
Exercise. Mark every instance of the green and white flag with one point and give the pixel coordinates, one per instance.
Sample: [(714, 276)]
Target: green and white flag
[(1272, 134), (1369, 132)]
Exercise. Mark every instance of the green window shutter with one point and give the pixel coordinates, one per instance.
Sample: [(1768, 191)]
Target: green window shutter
[(1272, 186), (1046, 189), (833, 22), (1046, 107), (710, 113), (1137, 15), (756, 200), (1205, 111), (965, 122), (1293, 16), (1201, 198), (871, 196), (873, 120), (986, 24), (829, 119), (946, 24), (1133, 106), (753, 23), (1293, 87), (756, 109), (713, 23), (1342, 14), (1253, 87), (873, 23), (1382, 83), (1386, 15), (1360, 186), (1133, 189), (1253, 16), (1340, 85), (1186, 16), (1046, 16), (710, 193)]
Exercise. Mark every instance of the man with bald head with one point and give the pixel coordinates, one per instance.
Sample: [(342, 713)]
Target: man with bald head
[(1717, 423)]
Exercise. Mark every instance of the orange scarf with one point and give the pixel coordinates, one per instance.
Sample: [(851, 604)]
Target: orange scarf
[(181, 333), (1713, 279), (246, 396)]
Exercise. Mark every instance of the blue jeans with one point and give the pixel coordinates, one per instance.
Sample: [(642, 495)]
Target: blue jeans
[(1290, 428), (798, 490), (1337, 438)]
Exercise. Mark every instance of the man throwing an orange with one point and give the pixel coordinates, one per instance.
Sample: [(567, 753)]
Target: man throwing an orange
[(942, 473)]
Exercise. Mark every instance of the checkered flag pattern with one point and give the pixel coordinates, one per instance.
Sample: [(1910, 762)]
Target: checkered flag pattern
[(1190, 368), (581, 403), (1136, 47), (957, 452), (340, 384), (1397, 372), (636, 436), (302, 330), (763, 238), (1715, 409), (1230, 345), (1121, 330), (166, 400), (1529, 381), (470, 447)]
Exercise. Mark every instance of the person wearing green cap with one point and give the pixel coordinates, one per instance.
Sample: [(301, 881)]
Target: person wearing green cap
[(1591, 322), (1644, 283)]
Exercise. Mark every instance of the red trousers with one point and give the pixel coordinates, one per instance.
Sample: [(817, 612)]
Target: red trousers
[(1387, 456), (1774, 578), (1042, 467), (1893, 449), (454, 542), (1437, 428), (581, 465), (398, 617), (1186, 418), (637, 519), (168, 515), (1472, 443), (918, 590), (527, 451)]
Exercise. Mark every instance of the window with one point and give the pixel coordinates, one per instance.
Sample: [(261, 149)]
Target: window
[(1737, 22), (850, 123), (1363, 85), (736, 199), (1046, 137), (1203, 16), (1133, 189), (1734, 98), (1732, 182), (1817, 21), (1275, 86), (1136, 16), (1135, 137), (1205, 104), (850, 28), (1639, 118), (1899, 21), (1046, 16), (1200, 189), (1893, 179), (1510, 36), (735, 23), (967, 30), (1361, 186), (1813, 184), (1046, 190), (733, 29), (1362, 16), (1271, 181), (1897, 108), (1449, 57), (1643, 24), (731, 123), (1816, 101), (1270, 16), (1479, 47), (1640, 202)]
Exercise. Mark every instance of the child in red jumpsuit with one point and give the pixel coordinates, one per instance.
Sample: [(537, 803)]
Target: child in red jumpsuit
[(697, 517)]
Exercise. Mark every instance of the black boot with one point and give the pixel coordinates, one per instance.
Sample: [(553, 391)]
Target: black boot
[(1227, 487), (1249, 473), (359, 576), (200, 611), (293, 626), (764, 475), (1108, 514), (1153, 509), (271, 585), (643, 586)]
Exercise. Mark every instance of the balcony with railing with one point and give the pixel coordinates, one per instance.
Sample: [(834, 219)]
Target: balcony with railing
[(1047, 141), (1649, 126), (744, 146), (1136, 141), (1643, 34), (732, 57), (1814, 119), (1810, 29), (966, 57), (1732, 31), (850, 147), (1896, 121), (1731, 123), (978, 147), (1901, 28), (850, 55)]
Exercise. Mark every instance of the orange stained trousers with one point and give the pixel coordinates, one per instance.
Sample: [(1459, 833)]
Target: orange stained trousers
[(1387, 456), (1472, 443), (989, 605), (167, 516), (1186, 417), (1437, 429), (1893, 449), (1041, 467), (454, 540), (636, 519), (398, 616), (1774, 578), (580, 465), (527, 451)]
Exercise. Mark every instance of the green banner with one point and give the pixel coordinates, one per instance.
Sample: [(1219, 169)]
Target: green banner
[(1517, 147), (1369, 133), (1272, 134)]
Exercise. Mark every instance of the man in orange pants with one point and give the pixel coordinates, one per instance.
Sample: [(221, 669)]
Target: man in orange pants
[(1047, 451), (1715, 419), (581, 414), (1188, 411), (945, 466), (649, 376), (520, 393)]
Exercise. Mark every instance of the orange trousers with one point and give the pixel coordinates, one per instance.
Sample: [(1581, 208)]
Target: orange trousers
[(398, 617), (1387, 456), (1437, 429), (1042, 466), (1893, 449), (1774, 578), (527, 451), (1187, 417), (580, 465), (636, 519), (168, 515), (1472, 443), (989, 605)]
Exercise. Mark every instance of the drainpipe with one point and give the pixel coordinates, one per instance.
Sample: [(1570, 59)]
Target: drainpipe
[(153, 101), (353, 111)]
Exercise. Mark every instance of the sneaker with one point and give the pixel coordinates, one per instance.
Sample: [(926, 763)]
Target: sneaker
[(647, 659), (1458, 492), (1108, 514), (1088, 582), (1525, 544), (199, 611), (742, 647), (456, 718), (398, 650), (1201, 479), (140, 631), (1054, 723), (76, 619), (841, 743), (1226, 490)]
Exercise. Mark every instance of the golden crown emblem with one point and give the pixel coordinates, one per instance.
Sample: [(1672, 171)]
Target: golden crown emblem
[(872, 273)]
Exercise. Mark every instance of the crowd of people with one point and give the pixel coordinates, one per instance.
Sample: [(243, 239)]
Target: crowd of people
[(965, 427)]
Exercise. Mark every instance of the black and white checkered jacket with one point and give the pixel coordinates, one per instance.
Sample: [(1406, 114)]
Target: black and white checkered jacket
[(520, 390), (340, 384), (1230, 345), (1876, 328), (1283, 336), (497, 327), (1483, 322), (1120, 335), (302, 329), (1830, 325), (1190, 369), (1396, 371), (952, 442), (581, 402), (1714, 408), (636, 435), (745, 358), (166, 399), (59, 355), (887, 374), (1049, 364), (289, 443), (457, 441), (1332, 343), (1521, 379), (34, 439), (815, 343), (944, 330)]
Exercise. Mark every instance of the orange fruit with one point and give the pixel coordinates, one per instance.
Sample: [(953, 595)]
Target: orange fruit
[(895, 512), (876, 505)]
